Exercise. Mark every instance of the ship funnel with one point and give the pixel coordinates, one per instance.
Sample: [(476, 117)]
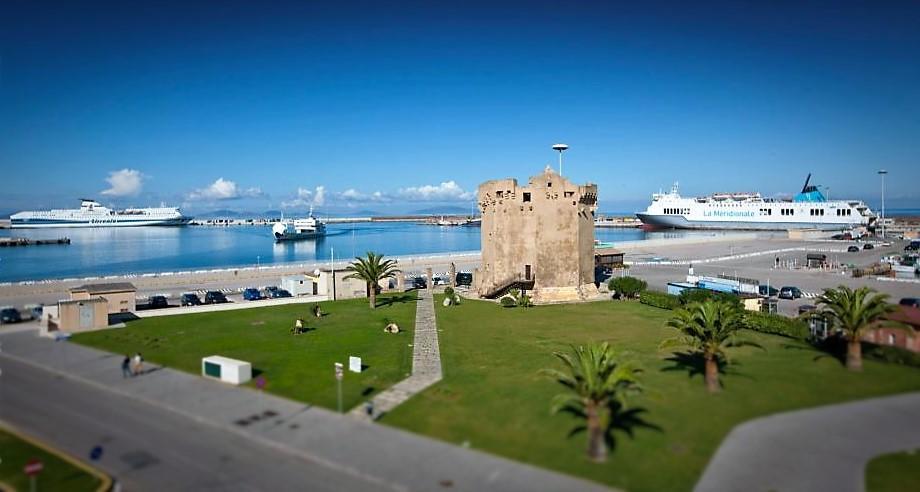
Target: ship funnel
[(805, 188)]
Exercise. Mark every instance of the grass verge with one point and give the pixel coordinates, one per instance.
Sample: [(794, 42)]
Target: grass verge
[(299, 367), (59, 472), (895, 472)]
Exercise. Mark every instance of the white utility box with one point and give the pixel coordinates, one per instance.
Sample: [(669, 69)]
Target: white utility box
[(225, 369)]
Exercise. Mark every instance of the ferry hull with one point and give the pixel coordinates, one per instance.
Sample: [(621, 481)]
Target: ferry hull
[(679, 222), (298, 236), (57, 223)]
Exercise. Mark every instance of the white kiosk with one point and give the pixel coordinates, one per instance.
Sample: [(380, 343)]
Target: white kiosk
[(225, 369)]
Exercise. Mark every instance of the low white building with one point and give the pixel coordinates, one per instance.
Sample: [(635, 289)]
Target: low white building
[(300, 285), (226, 369)]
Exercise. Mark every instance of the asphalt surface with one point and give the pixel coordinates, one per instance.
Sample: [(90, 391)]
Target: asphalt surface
[(824, 448), (761, 267), (146, 448)]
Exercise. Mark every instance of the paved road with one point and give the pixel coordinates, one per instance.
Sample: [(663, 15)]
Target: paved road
[(824, 448), (147, 448), (761, 268), (167, 430)]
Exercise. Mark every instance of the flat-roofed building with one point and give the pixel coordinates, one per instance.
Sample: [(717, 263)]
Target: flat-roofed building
[(120, 295)]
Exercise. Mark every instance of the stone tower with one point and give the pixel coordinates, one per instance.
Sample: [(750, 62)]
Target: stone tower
[(539, 237)]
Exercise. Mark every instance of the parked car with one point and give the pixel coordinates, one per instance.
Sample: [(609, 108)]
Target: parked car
[(189, 299), (31, 312), (270, 289), (465, 279), (913, 246), (853, 249), (252, 294), (277, 293), (215, 297), (419, 282), (768, 291), (790, 293), (157, 302), (910, 301), (868, 246), (9, 315)]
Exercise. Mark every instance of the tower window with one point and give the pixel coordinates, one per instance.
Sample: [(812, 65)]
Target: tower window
[(526, 196)]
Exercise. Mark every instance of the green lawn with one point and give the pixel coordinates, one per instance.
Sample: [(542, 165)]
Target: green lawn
[(57, 474), (493, 397), (896, 472), (298, 367)]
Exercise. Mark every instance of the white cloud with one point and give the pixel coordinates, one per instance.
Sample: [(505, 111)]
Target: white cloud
[(447, 191), (306, 198), (319, 197), (124, 182), (224, 189), (352, 195)]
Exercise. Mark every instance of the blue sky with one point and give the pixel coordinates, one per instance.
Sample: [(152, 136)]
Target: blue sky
[(367, 106)]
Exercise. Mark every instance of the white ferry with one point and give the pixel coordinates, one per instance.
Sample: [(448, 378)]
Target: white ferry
[(292, 229), (807, 210), (93, 214)]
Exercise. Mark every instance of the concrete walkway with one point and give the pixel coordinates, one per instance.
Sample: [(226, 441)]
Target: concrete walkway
[(382, 457), (426, 363), (824, 448)]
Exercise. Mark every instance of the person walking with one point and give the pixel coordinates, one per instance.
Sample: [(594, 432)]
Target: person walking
[(126, 367), (138, 363)]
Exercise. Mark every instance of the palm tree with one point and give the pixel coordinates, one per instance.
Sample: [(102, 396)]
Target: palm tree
[(372, 270), (708, 328), (854, 312), (597, 379)]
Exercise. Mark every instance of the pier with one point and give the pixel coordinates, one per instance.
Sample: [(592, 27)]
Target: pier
[(21, 241)]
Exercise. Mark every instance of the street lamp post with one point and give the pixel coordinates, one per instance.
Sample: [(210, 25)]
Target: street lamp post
[(560, 147), (883, 173)]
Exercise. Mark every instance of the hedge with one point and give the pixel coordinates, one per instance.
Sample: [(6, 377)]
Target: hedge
[(659, 299), (627, 287), (775, 324), (894, 355)]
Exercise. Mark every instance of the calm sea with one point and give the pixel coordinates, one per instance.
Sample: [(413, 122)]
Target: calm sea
[(116, 251)]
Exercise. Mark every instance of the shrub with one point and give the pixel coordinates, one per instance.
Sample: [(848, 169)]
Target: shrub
[(451, 294), (524, 301), (628, 287), (776, 325), (893, 355), (508, 302), (702, 295), (659, 299)]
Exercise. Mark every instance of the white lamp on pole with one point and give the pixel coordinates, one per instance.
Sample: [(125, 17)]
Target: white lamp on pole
[(883, 173), (560, 147)]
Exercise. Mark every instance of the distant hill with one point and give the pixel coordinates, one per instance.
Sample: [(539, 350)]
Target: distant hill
[(221, 214), (445, 209)]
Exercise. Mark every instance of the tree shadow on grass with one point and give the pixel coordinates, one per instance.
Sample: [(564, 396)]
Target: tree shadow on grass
[(625, 420), (827, 349), (695, 365), (390, 300)]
